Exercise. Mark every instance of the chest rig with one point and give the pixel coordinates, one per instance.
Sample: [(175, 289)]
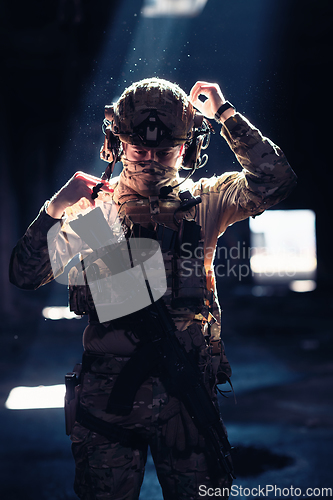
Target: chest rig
[(170, 222)]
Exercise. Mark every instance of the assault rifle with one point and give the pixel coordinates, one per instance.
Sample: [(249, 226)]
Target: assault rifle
[(156, 329)]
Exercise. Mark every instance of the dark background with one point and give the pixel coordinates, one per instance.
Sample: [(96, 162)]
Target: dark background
[(61, 62)]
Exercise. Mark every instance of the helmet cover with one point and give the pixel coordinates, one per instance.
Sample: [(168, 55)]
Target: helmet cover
[(154, 113)]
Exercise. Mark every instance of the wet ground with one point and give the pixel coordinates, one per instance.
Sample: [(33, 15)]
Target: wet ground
[(280, 346)]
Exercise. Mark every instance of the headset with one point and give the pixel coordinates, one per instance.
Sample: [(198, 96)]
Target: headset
[(200, 139), (111, 149), (150, 132)]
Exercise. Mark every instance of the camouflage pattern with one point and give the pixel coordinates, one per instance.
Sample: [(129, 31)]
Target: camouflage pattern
[(109, 470), (106, 470), (265, 180), (30, 265), (174, 110)]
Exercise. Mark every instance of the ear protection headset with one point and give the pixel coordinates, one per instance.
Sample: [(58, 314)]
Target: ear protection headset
[(200, 138)]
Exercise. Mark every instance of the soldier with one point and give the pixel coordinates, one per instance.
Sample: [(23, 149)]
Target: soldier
[(155, 129)]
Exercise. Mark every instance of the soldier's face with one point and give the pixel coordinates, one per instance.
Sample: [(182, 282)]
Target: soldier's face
[(166, 156)]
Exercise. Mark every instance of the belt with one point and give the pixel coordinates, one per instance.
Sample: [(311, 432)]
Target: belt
[(113, 432)]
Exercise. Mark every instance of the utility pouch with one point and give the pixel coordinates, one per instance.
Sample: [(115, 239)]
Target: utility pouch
[(187, 269), (73, 387)]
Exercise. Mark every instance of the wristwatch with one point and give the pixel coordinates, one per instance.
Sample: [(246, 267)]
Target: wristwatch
[(222, 109)]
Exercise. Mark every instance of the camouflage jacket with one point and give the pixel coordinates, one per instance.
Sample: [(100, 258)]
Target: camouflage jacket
[(265, 179)]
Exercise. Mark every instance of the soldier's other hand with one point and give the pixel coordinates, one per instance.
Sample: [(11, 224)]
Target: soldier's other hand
[(79, 186)]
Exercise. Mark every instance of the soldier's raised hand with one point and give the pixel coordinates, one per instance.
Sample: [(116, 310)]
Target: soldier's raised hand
[(214, 99), (79, 186)]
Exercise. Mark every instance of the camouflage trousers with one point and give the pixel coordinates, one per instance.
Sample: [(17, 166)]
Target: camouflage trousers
[(112, 471)]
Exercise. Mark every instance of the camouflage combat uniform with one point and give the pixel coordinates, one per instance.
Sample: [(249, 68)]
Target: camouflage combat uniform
[(105, 469)]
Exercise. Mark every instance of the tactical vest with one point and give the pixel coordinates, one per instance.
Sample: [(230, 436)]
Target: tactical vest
[(180, 239)]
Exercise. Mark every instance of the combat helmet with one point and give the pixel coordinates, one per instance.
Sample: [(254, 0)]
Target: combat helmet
[(154, 113)]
